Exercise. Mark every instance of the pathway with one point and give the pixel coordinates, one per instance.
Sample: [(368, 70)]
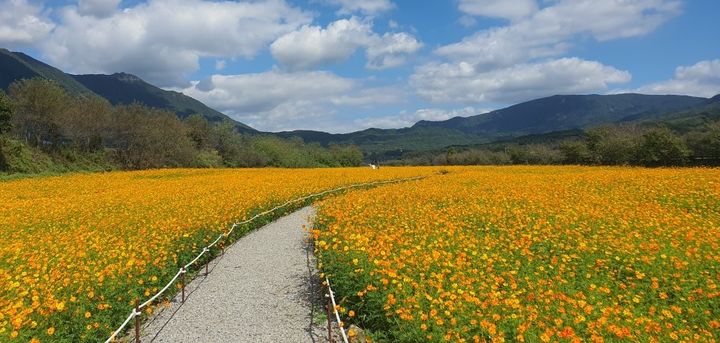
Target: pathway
[(261, 290)]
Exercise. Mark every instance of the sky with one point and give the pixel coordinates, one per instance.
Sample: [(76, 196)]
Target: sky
[(346, 65)]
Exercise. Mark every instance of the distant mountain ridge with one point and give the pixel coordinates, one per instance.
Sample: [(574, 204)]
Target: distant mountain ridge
[(567, 112), (118, 89), (536, 117)]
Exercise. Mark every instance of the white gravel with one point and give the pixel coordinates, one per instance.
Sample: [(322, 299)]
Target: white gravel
[(261, 290)]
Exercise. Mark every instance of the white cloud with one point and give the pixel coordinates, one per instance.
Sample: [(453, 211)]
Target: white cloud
[(220, 64), (98, 8), (278, 100), (467, 21), (404, 119), (162, 40), (551, 30), (390, 50), (311, 46), (514, 9), (22, 23), (367, 7), (701, 79), (462, 82)]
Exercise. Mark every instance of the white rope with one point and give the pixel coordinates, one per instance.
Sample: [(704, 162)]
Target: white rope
[(129, 318), (205, 249), (149, 301), (232, 228), (337, 315)]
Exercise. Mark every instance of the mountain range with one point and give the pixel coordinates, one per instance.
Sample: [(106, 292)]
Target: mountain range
[(540, 116)]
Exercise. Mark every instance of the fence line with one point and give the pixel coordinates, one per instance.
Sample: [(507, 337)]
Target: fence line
[(137, 311), (331, 300)]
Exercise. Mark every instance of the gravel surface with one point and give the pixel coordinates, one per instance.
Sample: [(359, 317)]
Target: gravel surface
[(261, 290)]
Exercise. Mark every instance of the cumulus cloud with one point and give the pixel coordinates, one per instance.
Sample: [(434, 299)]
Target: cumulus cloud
[(701, 79), (499, 8), (163, 40), (367, 7), (550, 31), (462, 82), (98, 8), (405, 119), (311, 46), (390, 50), (278, 100), (22, 23)]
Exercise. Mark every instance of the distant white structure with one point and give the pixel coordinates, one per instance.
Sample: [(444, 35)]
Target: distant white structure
[(373, 166)]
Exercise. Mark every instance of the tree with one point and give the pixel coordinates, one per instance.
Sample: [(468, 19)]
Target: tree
[(705, 144), (575, 152), (6, 114), (613, 145), (87, 123), (199, 131), (149, 138), (40, 106), (660, 147)]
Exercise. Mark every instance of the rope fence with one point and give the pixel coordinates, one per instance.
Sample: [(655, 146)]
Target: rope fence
[(137, 311), (331, 303)]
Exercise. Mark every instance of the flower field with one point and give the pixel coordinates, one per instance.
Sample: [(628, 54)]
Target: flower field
[(529, 254), (77, 250)]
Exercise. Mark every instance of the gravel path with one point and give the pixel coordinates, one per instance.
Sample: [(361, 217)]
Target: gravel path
[(261, 290)]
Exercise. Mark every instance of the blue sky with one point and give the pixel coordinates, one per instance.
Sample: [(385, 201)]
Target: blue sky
[(345, 65)]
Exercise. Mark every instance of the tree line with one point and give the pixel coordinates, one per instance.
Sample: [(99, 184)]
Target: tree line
[(649, 145), (44, 128)]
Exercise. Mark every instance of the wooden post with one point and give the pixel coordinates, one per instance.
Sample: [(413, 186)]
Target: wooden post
[(206, 268), (182, 282), (329, 323), (137, 321)]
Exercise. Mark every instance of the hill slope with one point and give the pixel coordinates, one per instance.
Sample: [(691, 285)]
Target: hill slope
[(118, 88), (566, 112), (16, 66), (124, 89), (386, 142)]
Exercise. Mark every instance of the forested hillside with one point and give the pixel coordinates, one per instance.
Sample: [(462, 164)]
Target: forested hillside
[(43, 128)]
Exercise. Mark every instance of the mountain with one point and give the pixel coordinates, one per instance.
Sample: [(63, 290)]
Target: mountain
[(714, 100), (124, 89), (567, 112), (388, 142), (560, 113), (118, 89), (16, 66)]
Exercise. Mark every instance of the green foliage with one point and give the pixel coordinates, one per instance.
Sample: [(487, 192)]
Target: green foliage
[(56, 132), (612, 145), (6, 111), (40, 105), (660, 147), (575, 152)]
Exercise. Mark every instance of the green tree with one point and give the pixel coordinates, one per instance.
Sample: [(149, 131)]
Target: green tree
[(87, 123), (6, 113), (199, 131), (150, 138), (613, 145), (660, 147), (575, 152), (40, 106)]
